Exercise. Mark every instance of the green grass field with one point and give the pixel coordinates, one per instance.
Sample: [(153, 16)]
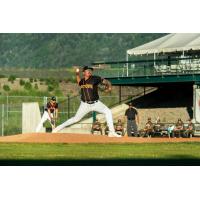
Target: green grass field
[(63, 153)]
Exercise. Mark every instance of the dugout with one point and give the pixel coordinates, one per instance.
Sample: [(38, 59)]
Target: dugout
[(170, 61)]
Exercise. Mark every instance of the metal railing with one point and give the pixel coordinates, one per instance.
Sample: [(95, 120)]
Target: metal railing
[(158, 67)]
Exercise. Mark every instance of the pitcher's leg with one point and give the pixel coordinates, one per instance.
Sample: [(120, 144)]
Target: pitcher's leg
[(101, 108), (45, 116), (82, 111)]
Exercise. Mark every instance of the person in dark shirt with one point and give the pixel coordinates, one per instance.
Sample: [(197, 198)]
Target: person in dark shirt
[(132, 120), (178, 130), (106, 129), (189, 131), (158, 128), (148, 129), (90, 99), (50, 114), (96, 126), (119, 127)]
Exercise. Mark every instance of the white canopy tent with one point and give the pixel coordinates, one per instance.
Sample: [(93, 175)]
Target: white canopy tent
[(174, 42), (170, 43)]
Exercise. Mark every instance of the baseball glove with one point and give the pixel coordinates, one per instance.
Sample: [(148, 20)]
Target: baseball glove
[(52, 121), (102, 87)]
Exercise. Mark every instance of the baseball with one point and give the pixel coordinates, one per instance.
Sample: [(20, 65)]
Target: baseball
[(77, 70)]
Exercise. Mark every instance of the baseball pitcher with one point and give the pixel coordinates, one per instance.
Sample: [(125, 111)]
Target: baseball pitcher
[(90, 100)]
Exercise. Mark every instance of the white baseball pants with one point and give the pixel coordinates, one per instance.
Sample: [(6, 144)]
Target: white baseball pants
[(44, 118), (85, 108)]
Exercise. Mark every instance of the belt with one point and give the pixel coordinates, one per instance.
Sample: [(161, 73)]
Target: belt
[(131, 119), (90, 102)]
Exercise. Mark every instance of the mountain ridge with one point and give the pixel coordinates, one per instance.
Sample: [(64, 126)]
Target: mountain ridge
[(67, 49)]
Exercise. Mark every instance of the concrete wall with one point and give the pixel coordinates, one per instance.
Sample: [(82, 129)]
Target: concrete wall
[(85, 125), (166, 115), (30, 117)]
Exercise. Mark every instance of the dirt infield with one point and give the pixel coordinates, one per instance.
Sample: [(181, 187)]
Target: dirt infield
[(81, 138)]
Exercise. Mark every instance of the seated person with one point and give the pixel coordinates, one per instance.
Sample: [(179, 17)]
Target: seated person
[(170, 129), (189, 131), (158, 127), (96, 126), (148, 128), (119, 127), (106, 129), (179, 128)]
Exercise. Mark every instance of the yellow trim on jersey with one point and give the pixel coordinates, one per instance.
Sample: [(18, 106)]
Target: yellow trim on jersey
[(87, 86)]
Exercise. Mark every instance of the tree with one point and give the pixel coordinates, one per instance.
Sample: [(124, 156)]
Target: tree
[(36, 86), (11, 78), (6, 88), (22, 82), (27, 86)]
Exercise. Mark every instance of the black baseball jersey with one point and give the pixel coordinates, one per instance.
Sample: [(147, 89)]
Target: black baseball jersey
[(131, 113), (89, 88), (52, 107)]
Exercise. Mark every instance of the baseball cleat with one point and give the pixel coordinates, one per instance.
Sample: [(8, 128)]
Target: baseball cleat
[(114, 135)]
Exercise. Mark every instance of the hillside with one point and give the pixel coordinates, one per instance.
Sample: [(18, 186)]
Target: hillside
[(59, 50)]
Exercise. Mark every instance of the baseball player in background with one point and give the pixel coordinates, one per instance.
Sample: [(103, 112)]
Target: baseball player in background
[(50, 114), (90, 100)]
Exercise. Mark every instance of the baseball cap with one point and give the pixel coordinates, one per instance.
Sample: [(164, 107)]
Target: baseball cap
[(87, 67), (53, 98)]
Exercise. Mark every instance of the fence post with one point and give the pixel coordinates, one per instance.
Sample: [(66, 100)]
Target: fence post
[(68, 106), (120, 94), (2, 121), (44, 102), (94, 114), (7, 108)]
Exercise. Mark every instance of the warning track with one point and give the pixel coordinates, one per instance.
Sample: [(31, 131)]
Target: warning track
[(85, 138)]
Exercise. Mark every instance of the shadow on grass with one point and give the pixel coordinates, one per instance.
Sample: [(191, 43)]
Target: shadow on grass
[(177, 160)]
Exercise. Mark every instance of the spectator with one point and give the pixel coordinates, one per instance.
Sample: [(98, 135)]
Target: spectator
[(106, 130), (148, 130), (170, 130), (189, 131), (178, 130), (132, 120), (96, 126), (119, 127), (158, 127)]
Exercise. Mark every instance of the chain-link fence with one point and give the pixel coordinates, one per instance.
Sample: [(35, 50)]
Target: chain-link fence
[(11, 110)]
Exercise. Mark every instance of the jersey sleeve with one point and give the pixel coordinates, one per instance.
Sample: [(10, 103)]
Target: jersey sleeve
[(126, 113), (56, 106), (48, 105), (81, 82), (98, 80), (136, 112)]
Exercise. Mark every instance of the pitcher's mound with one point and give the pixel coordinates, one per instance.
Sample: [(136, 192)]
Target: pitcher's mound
[(85, 138)]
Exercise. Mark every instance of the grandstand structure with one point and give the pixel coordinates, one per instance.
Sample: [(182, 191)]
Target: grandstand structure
[(172, 60)]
